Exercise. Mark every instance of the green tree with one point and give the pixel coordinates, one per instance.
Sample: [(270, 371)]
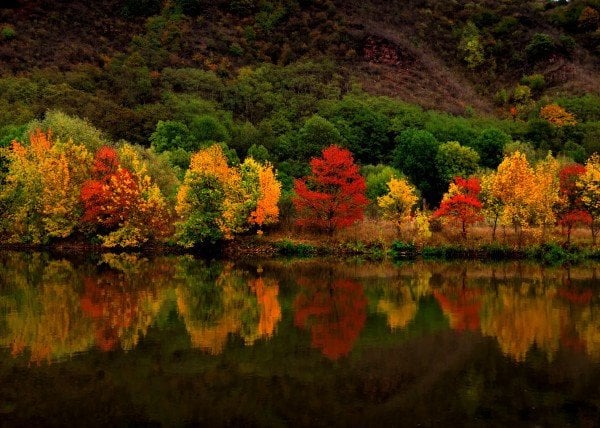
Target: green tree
[(171, 135), (490, 144), (414, 156), (454, 160)]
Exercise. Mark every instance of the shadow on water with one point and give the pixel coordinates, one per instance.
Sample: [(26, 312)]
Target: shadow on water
[(127, 339)]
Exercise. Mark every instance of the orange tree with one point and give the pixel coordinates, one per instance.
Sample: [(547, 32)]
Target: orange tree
[(461, 203), (571, 210), (333, 195)]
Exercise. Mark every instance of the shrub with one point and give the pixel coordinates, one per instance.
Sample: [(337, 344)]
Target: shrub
[(402, 250), (8, 32), (535, 81), (294, 249), (540, 47)]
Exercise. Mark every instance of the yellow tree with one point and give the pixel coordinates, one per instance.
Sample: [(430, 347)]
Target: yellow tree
[(398, 203), (267, 193), (512, 185), (42, 188), (492, 204), (217, 200), (589, 186), (544, 195)]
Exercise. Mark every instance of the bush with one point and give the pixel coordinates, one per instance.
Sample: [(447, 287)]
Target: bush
[(535, 81), (8, 32), (294, 249), (402, 250), (552, 254), (540, 47), (496, 251)]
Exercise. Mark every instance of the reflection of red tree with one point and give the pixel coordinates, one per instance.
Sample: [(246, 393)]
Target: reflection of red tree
[(577, 297), (110, 306), (334, 312), (462, 306), (571, 340)]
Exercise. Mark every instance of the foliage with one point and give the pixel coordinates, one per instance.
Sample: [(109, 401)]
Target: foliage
[(398, 203), (513, 185), (490, 145), (377, 178), (416, 150), (461, 203), (571, 211), (333, 195), (454, 160), (557, 115), (42, 188), (589, 186), (217, 201), (471, 47)]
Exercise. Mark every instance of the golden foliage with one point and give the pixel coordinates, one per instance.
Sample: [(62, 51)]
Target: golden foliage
[(557, 115)]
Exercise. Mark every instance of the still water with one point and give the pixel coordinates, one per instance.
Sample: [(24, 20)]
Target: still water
[(121, 340)]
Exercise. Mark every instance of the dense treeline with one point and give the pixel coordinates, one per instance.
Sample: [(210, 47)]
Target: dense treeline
[(76, 185)]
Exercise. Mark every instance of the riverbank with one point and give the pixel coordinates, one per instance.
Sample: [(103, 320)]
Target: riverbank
[(245, 247)]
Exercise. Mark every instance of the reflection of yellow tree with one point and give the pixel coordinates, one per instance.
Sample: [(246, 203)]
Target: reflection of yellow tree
[(270, 310), (43, 313), (214, 308), (518, 317), (588, 327), (400, 300)]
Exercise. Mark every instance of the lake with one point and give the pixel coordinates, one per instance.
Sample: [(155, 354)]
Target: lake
[(125, 340)]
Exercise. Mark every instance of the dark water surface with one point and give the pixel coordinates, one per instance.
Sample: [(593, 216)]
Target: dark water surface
[(122, 340)]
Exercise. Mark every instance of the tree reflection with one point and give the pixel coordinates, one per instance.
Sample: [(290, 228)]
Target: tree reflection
[(43, 316), (222, 301), (521, 316), (334, 311), (461, 304)]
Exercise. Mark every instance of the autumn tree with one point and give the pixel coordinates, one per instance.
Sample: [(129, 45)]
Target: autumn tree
[(589, 186), (398, 203), (217, 200), (461, 203), (333, 195), (557, 115), (126, 207), (492, 205), (512, 185), (570, 210), (41, 191), (544, 195)]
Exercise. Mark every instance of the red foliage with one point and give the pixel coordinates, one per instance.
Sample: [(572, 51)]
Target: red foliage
[(110, 198), (111, 201), (572, 212), (334, 312), (463, 308), (464, 206), (333, 196), (106, 162)]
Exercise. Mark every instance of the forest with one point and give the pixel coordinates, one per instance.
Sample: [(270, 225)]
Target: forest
[(186, 123)]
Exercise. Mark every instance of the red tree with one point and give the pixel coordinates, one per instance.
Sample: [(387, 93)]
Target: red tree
[(333, 196), (110, 197), (572, 211), (462, 203)]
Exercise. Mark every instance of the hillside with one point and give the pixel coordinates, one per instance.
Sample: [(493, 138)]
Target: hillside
[(412, 50)]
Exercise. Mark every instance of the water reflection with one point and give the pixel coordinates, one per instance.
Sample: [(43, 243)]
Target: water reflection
[(333, 310), (53, 309)]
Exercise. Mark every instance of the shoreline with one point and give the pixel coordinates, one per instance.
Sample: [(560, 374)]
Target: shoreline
[(251, 247)]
